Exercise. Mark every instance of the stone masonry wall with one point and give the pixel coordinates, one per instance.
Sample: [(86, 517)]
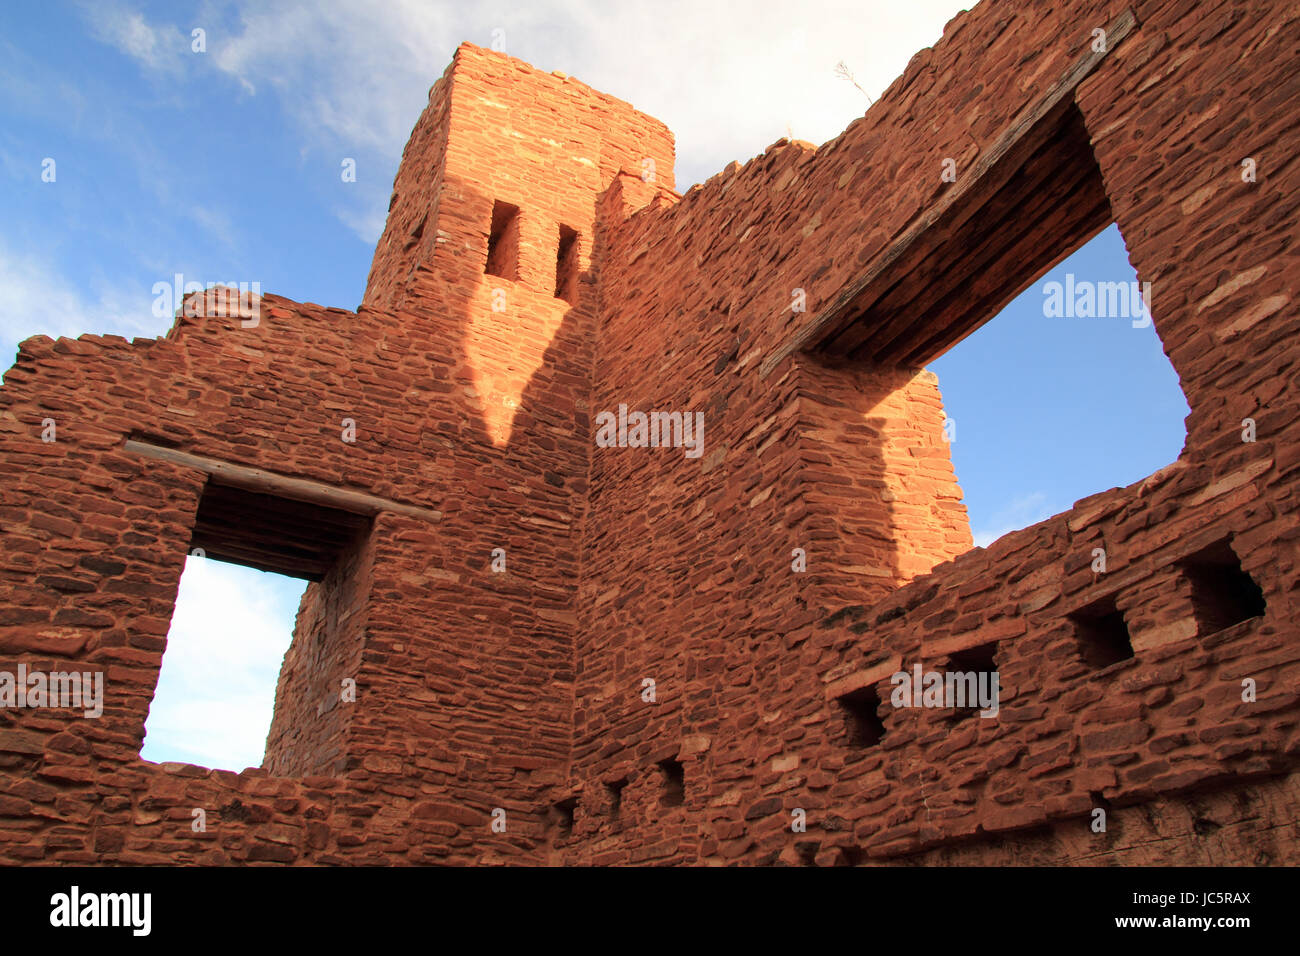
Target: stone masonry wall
[(463, 675), (764, 589), (750, 659), (309, 728)]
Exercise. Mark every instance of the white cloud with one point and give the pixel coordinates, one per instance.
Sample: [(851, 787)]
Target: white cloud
[(154, 47), (366, 222), (728, 78), (216, 693), (215, 221), (38, 300)]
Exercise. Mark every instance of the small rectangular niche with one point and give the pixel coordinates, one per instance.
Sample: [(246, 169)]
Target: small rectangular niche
[(566, 264), (862, 723), (1223, 594), (417, 233), (1101, 634), (503, 242), (563, 815), (978, 661), (615, 788), (674, 783)]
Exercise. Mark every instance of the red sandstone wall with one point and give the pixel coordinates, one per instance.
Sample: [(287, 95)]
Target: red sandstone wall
[(463, 675), (496, 129), (271, 397), (524, 690), (311, 722), (518, 368), (411, 230), (1072, 735), (686, 572)]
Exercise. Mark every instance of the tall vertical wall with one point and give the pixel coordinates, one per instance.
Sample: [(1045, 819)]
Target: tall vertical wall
[(484, 658), (687, 570)]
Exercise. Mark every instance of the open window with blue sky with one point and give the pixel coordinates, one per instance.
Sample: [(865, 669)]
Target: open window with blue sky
[(1048, 409)]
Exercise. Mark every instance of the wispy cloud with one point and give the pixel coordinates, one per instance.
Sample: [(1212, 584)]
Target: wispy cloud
[(1021, 512), (39, 300), (215, 221), (158, 47), (28, 88), (346, 73), (367, 221), (728, 79)]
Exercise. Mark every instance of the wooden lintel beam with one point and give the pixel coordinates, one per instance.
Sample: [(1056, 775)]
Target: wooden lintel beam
[(966, 251), (829, 319), (238, 551), (267, 482), (983, 302)]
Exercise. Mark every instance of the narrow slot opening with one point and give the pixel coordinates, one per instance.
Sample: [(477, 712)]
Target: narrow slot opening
[(1101, 634), (967, 674), (566, 264), (503, 242), (861, 712)]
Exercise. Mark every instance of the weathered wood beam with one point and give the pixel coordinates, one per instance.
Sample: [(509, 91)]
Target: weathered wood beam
[(964, 252), (987, 297), (965, 220), (990, 167), (992, 268), (310, 568), (287, 530), (299, 489)]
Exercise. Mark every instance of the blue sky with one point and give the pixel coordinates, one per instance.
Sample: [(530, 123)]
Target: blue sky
[(1051, 410), (224, 165)]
